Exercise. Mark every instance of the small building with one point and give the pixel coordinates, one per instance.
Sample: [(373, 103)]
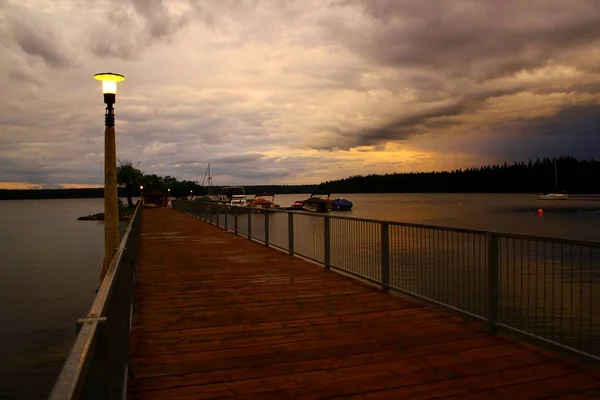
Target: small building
[(155, 198)]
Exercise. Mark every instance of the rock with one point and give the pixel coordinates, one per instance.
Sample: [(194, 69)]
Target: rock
[(92, 217), (100, 217)]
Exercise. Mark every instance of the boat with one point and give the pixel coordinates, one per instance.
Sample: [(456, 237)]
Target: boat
[(238, 200), (228, 192), (556, 195), (263, 200), (317, 202), (297, 205), (341, 204)]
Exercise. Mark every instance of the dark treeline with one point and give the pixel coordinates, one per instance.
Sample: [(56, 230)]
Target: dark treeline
[(281, 189), (574, 176), (537, 176)]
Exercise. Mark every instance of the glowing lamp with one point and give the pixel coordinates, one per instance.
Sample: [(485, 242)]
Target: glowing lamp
[(109, 88), (109, 85), (141, 187)]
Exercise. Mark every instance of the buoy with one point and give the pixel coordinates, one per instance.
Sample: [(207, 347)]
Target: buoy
[(540, 211)]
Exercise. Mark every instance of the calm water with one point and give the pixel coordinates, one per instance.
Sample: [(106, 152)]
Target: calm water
[(51, 262), (514, 213), (48, 276)]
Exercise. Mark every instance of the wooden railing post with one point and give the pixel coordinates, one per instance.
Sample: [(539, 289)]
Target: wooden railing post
[(327, 243), (493, 275), (385, 256), (291, 233), (226, 209)]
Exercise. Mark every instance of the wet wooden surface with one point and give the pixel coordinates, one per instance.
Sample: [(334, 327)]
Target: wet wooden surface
[(218, 316)]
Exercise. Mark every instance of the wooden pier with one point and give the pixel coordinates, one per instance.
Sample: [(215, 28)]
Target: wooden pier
[(219, 316)]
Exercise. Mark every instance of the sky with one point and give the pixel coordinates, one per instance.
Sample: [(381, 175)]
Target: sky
[(295, 91)]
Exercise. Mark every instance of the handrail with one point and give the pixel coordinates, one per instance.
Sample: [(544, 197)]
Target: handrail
[(70, 381), (576, 242), (544, 288), (109, 313), (106, 286)]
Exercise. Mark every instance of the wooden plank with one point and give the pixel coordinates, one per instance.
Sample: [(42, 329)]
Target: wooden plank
[(218, 316)]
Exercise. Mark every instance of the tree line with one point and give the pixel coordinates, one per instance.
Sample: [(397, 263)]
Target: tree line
[(572, 175)]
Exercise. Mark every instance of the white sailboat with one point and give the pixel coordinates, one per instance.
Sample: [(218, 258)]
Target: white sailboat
[(556, 195)]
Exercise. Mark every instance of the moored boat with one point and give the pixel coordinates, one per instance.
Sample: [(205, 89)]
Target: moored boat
[(263, 200), (238, 200), (341, 204), (554, 196), (297, 205), (318, 202)]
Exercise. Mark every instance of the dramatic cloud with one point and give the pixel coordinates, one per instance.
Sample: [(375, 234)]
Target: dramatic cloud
[(296, 91)]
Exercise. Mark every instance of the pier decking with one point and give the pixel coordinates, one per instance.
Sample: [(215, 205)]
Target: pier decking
[(218, 316)]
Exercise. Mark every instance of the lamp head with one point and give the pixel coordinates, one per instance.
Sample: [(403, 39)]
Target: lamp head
[(141, 187), (109, 85)]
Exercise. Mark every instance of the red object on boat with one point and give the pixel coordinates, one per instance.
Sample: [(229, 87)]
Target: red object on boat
[(298, 204), (262, 201)]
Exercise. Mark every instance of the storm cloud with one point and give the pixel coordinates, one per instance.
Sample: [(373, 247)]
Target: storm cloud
[(296, 91)]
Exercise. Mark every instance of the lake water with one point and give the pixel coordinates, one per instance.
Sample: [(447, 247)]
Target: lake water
[(51, 262)]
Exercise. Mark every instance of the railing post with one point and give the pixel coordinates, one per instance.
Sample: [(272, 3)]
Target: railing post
[(327, 243), (493, 275), (226, 214), (250, 225), (291, 233), (385, 256), (235, 222), (266, 228), (211, 215)]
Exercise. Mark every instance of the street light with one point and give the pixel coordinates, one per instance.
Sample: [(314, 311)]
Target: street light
[(111, 210)]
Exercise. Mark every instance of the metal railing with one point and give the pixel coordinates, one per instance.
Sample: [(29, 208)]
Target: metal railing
[(546, 289), (98, 365)]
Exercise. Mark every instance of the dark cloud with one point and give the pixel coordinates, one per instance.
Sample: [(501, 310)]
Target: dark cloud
[(400, 129), (134, 25), (239, 159), (479, 39), (48, 172), (573, 130), (38, 40)]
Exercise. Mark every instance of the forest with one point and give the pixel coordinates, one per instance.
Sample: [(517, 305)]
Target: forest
[(572, 175)]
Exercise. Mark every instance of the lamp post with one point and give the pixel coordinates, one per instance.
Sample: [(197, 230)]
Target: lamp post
[(111, 208), (142, 193)]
